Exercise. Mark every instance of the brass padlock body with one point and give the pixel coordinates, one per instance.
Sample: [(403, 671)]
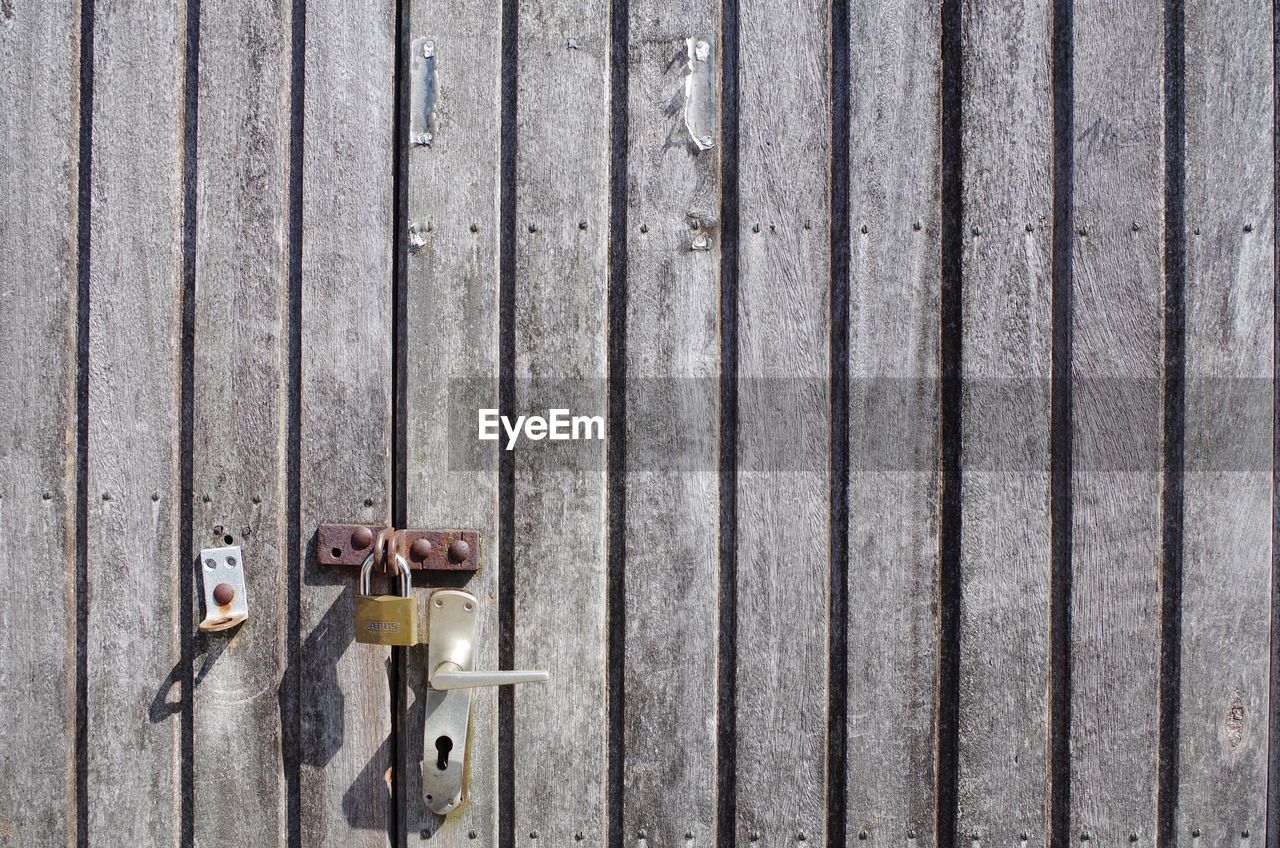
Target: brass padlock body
[(386, 619)]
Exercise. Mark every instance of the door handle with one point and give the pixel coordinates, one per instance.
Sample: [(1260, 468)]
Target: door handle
[(452, 616), (450, 676)]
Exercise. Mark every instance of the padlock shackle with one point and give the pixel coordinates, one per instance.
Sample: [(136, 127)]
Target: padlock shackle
[(402, 566)]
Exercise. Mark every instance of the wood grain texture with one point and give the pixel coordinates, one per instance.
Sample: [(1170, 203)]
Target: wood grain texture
[(894, 381), (239, 440), (784, 407), (672, 492), (346, 410), (1117, 329), (452, 366), (135, 317), (1229, 437), (1004, 550), (39, 73), (562, 179)]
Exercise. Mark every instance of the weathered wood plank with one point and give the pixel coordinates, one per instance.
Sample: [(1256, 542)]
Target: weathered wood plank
[(1229, 438), (1007, 329), (894, 375), (135, 318), (453, 366), (672, 495), (240, 390), (346, 410), (39, 73), (1117, 329), (783, 521), (562, 180)]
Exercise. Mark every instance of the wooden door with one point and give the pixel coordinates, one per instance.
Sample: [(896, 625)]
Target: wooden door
[(934, 503)]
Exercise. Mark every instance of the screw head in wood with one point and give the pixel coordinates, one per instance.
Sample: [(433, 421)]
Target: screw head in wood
[(420, 550), (471, 834), (475, 228), (256, 499), (1133, 837), (533, 228), (1084, 231), (155, 496), (47, 496), (977, 231), (755, 228), (1196, 231), (688, 834), (459, 551), (206, 497), (533, 834), (755, 836), (223, 594), (368, 501), (863, 229), (1136, 226), (644, 228), (642, 834), (1084, 837), (1031, 228), (424, 834), (1196, 833), (1248, 228), (801, 837), (862, 834), (917, 225), (579, 836)]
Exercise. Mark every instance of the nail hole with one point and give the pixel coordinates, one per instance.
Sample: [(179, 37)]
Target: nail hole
[(337, 553), (227, 539)]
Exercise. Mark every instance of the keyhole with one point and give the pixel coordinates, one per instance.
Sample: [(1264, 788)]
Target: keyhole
[(443, 746)]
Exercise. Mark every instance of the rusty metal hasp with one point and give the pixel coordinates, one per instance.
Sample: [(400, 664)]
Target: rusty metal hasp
[(426, 550)]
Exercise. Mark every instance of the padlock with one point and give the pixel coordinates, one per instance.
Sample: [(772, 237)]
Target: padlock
[(386, 619)]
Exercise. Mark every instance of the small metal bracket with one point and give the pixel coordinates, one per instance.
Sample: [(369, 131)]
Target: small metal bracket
[(699, 94), (422, 90), (226, 603), (428, 550)]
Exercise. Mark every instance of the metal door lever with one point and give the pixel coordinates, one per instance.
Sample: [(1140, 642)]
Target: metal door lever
[(451, 634), (450, 676)]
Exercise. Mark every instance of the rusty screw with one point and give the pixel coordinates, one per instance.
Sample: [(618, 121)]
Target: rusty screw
[(420, 550), (361, 538), (459, 551), (217, 529), (223, 594)]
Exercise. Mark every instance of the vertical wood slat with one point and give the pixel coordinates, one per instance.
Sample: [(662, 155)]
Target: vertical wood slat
[(1005, 491), (1117, 350), (894, 383), (38, 238), (1230, 314), (135, 352), (452, 367), (241, 376), (783, 519), (671, 520), (560, 335), (345, 411)]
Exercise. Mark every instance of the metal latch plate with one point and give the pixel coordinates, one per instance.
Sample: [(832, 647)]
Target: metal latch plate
[(222, 572), (429, 550)]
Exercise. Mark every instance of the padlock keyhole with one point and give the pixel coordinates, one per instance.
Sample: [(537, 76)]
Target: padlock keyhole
[(443, 746)]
